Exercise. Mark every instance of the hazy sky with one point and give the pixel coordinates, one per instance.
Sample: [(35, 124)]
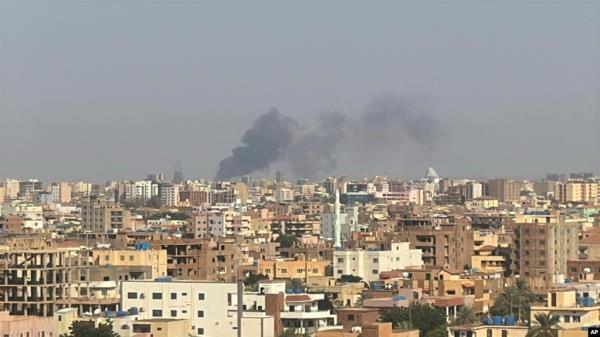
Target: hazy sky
[(119, 89)]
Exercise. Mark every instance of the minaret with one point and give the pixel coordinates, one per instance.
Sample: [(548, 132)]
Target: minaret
[(337, 229)]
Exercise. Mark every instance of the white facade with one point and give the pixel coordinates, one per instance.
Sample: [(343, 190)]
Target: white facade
[(32, 215), (368, 264), (211, 307), (169, 195), (348, 223), (284, 194)]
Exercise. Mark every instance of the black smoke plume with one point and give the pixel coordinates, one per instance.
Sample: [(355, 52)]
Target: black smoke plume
[(267, 139), (388, 121)]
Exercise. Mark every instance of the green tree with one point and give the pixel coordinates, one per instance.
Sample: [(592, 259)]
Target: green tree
[(544, 327), (421, 316), (295, 283), (251, 281), (87, 329), (439, 331), (515, 300), (349, 279), (466, 315), (286, 241)]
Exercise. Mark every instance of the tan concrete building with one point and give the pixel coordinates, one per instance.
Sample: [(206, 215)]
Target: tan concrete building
[(543, 244), (444, 245), (157, 259), (504, 190), (577, 191), (292, 268), (99, 215), (38, 278)]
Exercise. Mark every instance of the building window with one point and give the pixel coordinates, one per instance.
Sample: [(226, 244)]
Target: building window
[(340, 260), (200, 331), (173, 296), (157, 296), (375, 271), (200, 313), (567, 319), (504, 333), (156, 313), (375, 260), (489, 333), (173, 313), (339, 271), (299, 271), (201, 297), (576, 319), (350, 317), (132, 296)]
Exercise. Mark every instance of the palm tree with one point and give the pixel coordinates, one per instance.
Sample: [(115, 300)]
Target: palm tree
[(544, 327), (466, 315)]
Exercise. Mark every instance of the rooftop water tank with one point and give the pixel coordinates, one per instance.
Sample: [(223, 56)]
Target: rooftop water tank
[(497, 320)]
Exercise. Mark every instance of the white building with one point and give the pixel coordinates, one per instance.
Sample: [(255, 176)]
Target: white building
[(369, 263), (228, 223), (283, 194), (169, 195), (348, 223), (211, 307), (31, 214)]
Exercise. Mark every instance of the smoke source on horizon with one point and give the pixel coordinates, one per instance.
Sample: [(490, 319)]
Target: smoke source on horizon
[(310, 152)]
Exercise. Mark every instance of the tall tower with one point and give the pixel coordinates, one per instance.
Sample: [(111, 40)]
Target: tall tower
[(178, 177), (337, 229)]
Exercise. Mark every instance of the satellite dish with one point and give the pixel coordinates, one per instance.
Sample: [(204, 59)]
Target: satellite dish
[(405, 274)]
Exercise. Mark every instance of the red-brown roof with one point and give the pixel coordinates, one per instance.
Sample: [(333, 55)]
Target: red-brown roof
[(298, 298)]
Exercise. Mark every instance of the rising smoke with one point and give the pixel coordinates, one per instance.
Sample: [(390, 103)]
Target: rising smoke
[(387, 120), (265, 142)]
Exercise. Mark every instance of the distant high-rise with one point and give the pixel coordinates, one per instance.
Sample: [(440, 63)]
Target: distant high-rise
[(279, 176), (247, 180), (504, 190), (178, 177)]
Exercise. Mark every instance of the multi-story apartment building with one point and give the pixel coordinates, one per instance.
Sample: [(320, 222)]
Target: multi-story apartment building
[(544, 242), (100, 215), (292, 268), (445, 243), (211, 307), (295, 225), (169, 195), (503, 189), (228, 223), (202, 259), (38, 278), (11, 189), (577, 191), (368, 264), (156, 259)]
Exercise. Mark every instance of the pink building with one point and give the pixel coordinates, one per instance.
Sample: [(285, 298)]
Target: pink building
[(25, 326)]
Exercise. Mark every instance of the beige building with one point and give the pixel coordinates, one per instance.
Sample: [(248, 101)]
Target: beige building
[(544, 243), (289, 269), (120, 258), (504, 190), (572, 316), (161, 327), (577, 191), (99, 215), (37, 278), (480, 330)]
